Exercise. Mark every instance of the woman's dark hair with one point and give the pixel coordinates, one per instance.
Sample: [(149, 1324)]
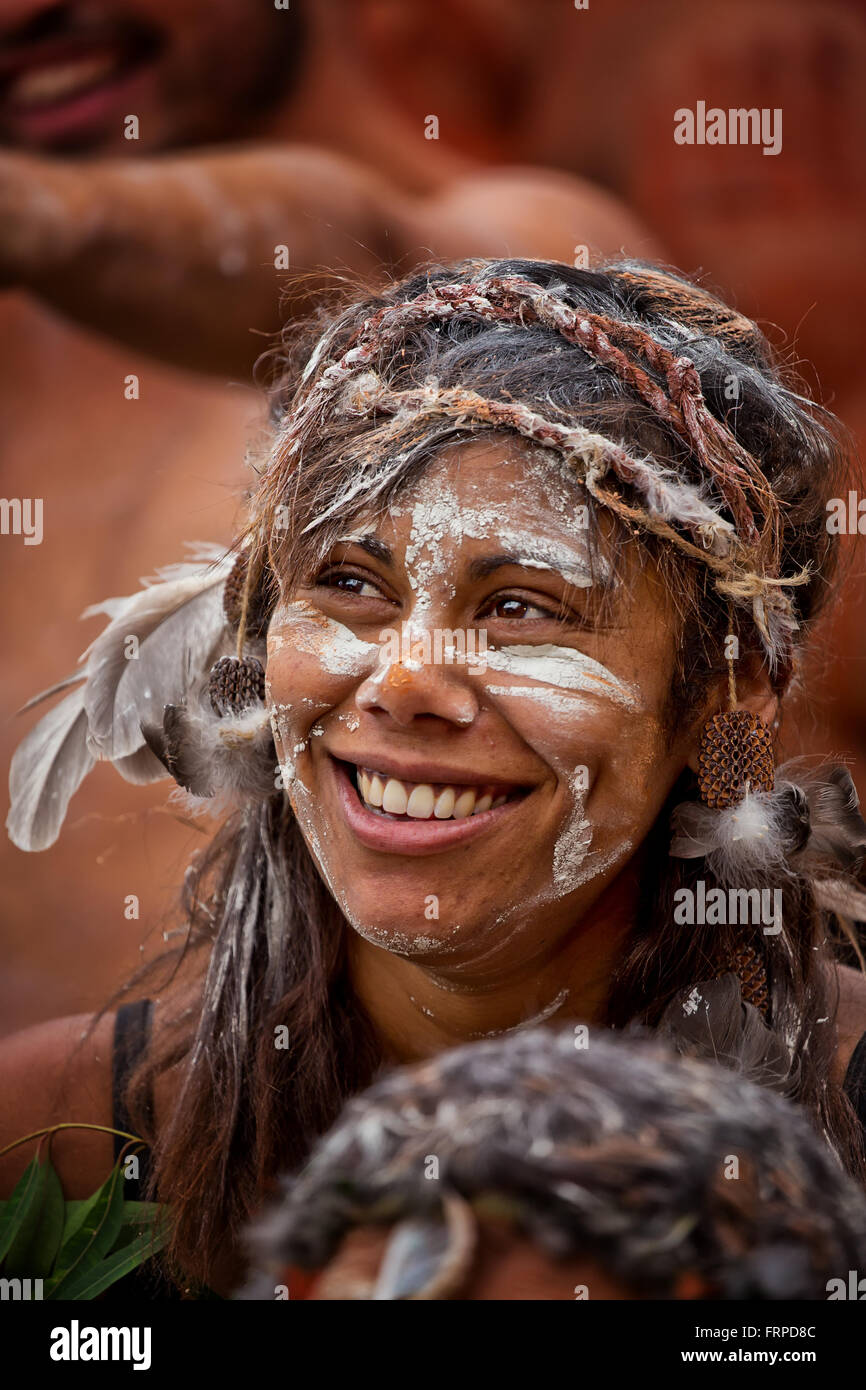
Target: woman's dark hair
[(262, 926)]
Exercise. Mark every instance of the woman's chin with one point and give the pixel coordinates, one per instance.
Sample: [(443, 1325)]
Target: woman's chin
[(430, 938)]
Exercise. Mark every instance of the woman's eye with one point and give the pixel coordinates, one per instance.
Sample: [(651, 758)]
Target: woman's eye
[(517, 608), (349, 584)]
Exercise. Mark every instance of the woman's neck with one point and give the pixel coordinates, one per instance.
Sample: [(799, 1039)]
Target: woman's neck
[(418, 1010)]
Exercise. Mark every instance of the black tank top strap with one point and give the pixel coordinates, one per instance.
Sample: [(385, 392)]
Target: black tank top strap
[(131, 1036), (855, 1081)]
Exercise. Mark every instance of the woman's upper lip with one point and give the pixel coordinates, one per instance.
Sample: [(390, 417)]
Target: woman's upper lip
[(420, 770)]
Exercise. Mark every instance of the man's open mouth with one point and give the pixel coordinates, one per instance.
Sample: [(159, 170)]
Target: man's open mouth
[(51, 62)]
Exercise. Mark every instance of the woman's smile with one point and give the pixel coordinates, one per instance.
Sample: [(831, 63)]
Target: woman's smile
[(403, 816)]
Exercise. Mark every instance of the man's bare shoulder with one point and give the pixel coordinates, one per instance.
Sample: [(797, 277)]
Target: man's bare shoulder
[(52, 1073), (542, 213)]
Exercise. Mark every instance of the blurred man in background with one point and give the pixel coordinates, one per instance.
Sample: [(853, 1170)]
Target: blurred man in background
[(169, 172)]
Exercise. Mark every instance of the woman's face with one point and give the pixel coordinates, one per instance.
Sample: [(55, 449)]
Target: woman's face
[(472, 746)]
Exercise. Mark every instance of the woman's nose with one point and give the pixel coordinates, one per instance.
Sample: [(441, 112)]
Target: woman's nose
[(406, 690)]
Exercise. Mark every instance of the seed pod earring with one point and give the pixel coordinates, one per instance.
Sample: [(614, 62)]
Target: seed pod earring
[(735, 753), (733, 829), (237, 683)]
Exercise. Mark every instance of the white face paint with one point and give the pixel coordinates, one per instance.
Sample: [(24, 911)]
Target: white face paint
[(565, 669), (547, 705), (336, 646)]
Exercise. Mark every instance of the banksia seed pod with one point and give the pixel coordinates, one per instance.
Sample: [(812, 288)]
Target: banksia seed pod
[(752, 973), (736, 749), (235, 684), (233, 601)]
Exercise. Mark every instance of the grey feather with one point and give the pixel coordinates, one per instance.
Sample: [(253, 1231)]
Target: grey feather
[(178, 621), (75, 678), (181, 629), (47, 768), (211, 756), (837, 829), (412, 1258), (726, 1029)]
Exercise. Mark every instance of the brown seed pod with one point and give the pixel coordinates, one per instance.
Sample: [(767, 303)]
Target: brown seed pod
[(752, 973), (736, 750), (235, 684)]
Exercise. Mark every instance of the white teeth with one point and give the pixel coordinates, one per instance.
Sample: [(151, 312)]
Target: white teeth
[(394, 798), (464, 805), (40, 86), (420, 804), (421, 801), (444, 807)]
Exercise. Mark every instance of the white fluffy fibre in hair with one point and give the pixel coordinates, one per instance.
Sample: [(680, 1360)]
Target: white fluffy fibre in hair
[(736, 840)]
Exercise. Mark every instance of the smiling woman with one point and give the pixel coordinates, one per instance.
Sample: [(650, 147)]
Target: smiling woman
[(592, 511)]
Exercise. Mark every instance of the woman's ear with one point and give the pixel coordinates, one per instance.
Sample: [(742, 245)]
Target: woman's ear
[(755, 693)]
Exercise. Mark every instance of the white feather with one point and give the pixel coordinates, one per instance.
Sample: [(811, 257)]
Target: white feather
[(178, 621), (734, 840), (47, 768)]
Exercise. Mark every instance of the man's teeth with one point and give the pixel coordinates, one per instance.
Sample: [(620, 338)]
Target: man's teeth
[(42, 86), (422, 801)]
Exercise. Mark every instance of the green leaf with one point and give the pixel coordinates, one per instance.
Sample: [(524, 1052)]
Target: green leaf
[(22, 1216), (49, 1230), (96, 1229), (75, 1213), (90, 1281), (141, 1213)]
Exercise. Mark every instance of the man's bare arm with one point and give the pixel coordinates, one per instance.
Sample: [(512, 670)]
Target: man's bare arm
[(186, 256)]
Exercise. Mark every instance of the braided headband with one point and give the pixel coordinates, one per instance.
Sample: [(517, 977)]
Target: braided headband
[(513, 299), (744, 557), (591, 456)]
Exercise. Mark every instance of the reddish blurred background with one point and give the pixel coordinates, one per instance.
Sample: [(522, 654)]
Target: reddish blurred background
[(591, 92)]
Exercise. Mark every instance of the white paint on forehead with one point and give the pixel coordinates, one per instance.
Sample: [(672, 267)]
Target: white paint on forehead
[(564, 667), (336, 646), (555, 539)]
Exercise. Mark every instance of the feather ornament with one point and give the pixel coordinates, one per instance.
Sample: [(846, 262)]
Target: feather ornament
[(752, 836), (711, 1020), (806, 822), (47, 769), (179, 628), (231, 757)]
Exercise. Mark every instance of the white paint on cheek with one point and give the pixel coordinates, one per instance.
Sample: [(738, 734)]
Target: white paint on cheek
[(340, 652), (573, 841), (564, 667), (553, 701)]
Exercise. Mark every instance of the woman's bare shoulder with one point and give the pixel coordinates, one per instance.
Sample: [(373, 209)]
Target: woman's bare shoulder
[(850, 1014), (52, 1073)]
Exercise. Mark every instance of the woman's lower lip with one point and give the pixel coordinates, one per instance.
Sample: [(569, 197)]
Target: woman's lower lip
[(409, 837)]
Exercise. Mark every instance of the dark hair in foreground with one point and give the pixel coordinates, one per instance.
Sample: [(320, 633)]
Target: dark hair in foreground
[(266, 939), (618, 1153)]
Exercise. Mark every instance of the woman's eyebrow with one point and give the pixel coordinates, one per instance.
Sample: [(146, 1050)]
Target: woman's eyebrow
[(373, 546), (566, 566)]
